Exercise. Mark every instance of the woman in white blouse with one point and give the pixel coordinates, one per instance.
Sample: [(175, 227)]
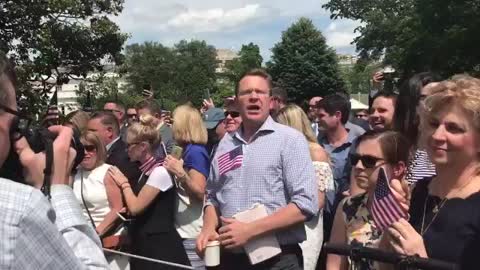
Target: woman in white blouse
[(295, 117), (100, 197)]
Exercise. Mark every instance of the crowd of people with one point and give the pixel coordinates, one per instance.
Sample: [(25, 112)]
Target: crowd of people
[(165, 186)]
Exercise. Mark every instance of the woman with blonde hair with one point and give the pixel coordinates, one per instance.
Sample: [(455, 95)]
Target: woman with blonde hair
[(151, 201), (444, 219), (100, 197), (191, 169), (78, 120), (295, 117)]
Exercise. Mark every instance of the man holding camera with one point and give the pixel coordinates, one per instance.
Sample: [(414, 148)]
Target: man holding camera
[(36, 233)]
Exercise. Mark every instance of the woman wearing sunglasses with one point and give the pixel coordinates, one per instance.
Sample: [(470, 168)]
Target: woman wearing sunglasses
[(353, 223), (151, 201), (100, 197)]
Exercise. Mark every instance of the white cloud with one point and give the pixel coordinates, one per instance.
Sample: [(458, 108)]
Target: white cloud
[(212, 20), (340, 34)]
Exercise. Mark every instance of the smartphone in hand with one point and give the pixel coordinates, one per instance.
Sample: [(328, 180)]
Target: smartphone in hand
[(177, 152)]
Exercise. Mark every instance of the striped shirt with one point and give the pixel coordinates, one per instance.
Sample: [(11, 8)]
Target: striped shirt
[(276, 170), (420, 167)]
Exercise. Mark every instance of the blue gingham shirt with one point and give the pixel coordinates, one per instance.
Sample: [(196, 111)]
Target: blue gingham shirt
[(276, 170), (36, 234)]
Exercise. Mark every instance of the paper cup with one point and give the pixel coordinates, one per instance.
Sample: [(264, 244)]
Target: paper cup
[(212, 254)]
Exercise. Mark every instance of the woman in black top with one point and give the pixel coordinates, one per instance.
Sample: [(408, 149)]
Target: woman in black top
[(151, 201), (445, 211)]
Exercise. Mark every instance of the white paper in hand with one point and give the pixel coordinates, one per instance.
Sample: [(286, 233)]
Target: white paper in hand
[(261, 248)]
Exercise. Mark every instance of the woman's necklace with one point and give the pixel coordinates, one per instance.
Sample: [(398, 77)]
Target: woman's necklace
[(436, 209)]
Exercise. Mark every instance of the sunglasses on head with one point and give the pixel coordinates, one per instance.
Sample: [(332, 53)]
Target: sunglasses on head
[(90, 147), (232, 114), (368, 162)]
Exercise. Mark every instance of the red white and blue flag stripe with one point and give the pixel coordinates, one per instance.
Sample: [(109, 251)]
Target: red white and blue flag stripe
[(230, 160), (385, 207)]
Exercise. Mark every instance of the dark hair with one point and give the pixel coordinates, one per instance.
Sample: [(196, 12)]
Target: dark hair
[(280, 93), (119, 104), (150, 105), (395, 146), (259, 72), (336, 103), (406, 119), (7, 68), (107, 119), (385, 94)]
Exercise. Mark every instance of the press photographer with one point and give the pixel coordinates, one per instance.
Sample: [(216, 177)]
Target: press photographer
[(37, 233)]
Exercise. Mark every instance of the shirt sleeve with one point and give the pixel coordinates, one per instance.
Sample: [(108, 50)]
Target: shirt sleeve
[(197, 158), (160, 179), (57, 235), (212, 187), (299, 175)]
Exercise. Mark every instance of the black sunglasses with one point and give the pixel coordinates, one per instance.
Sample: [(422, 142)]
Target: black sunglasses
[(368, 161), (132, 115), (20, 123), (232, 114), (89, 147)]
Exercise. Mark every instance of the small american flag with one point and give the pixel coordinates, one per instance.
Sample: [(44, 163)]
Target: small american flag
[(148, 167), (385, 208), (230, 160)]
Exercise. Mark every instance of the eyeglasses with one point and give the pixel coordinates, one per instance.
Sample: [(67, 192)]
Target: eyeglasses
[(368, 161), (20, 123), (361, 115), (232, 114), (132, 115), (132, 144), (90, 148)]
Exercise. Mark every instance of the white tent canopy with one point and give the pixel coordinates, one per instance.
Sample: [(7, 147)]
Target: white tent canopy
[(357, 105)]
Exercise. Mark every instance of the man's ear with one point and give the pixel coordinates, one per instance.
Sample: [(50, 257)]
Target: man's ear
[(110, 132), (399, 170), (338, 114)]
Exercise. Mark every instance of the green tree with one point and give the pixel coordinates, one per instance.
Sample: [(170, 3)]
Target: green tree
[(303, 64), (179, 74), (149, 64), (194, 68), (60, 37), (103, 89), (357, 77), (416, 35), (248, 58)]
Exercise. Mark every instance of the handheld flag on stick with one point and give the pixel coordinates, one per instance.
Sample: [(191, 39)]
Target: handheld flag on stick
[(52, 116), (87, 106), (385, 207)]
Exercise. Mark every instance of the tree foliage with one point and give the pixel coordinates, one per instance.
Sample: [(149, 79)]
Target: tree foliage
[(303, 64), (179, 74), (58, 37), (416, 35), (248, 58)]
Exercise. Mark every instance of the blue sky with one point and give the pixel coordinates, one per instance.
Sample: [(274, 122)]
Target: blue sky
[(229, 24)]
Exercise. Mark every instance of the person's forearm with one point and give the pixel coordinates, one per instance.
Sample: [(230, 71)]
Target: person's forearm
[(210, 218), (194, 188), (132, 201), (283, 218), (107, 222), (71, 223)]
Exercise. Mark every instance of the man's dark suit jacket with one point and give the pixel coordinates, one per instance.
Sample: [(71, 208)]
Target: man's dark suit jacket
[(117, 156)]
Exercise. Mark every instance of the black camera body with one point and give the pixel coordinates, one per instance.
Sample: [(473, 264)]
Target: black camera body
[(38, 139)]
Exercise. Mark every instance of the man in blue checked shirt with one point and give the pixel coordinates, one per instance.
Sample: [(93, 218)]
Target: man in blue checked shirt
[(262, 163)]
